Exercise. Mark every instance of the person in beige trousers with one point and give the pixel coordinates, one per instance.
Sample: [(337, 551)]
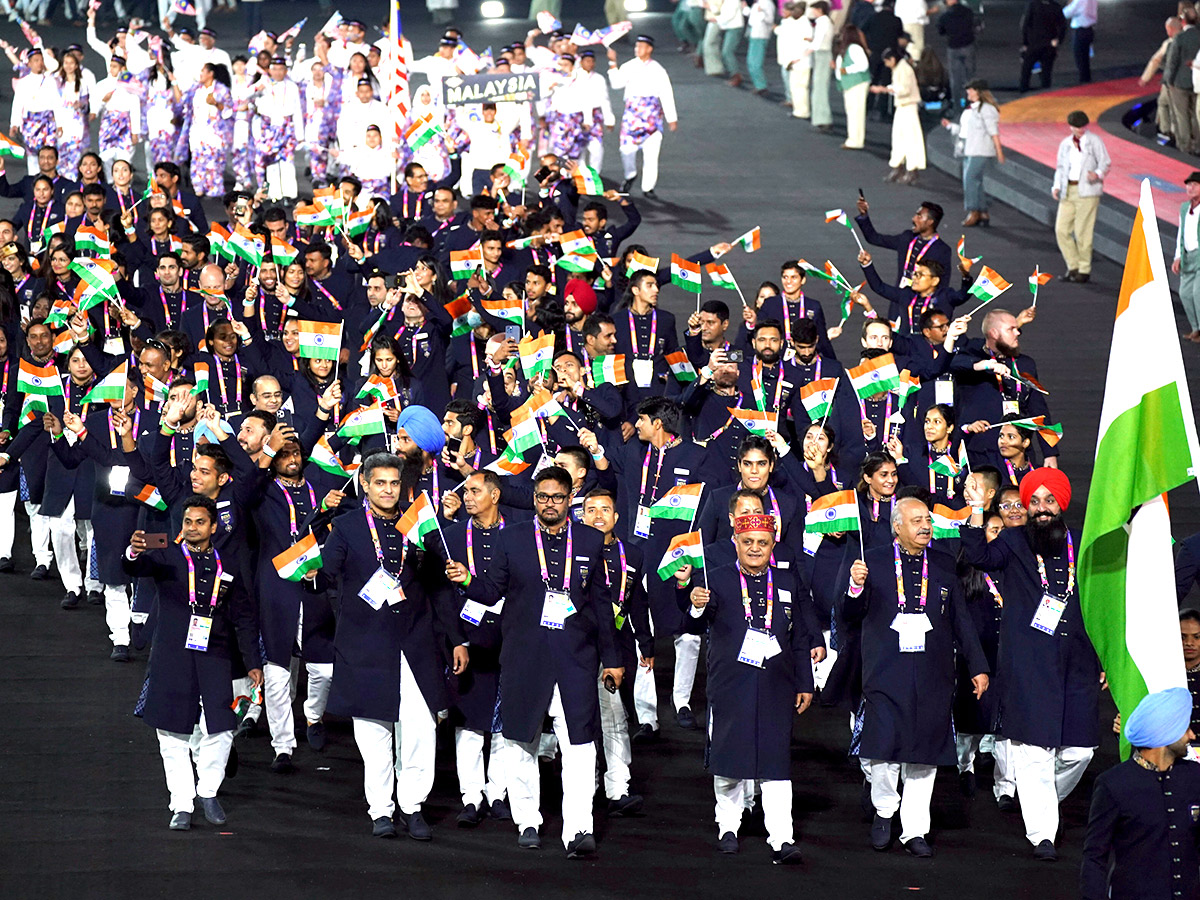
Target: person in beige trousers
[(908, 141), (1083, 162)]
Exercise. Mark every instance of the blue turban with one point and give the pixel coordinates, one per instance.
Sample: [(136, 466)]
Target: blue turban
[(423, 427), (1160, 719)]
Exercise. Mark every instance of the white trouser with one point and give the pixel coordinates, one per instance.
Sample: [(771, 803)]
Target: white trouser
[(473, 783), (277, 694), (650, 148), (687, 655), (595, 153), (211, 757), (913, 805), (967, 746), (799, 78), (244, 687), (618, 753), (822, 669), (1044, 776), (402, 770), (65, 530), (8, 523), (116, 614), (578, 778), (39, 534), (908, 140), (776, 804), (645, 697)]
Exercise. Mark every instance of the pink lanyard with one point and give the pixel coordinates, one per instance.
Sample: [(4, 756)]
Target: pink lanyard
[(291, 504), (537, 536), (220, 373), (633, 338), (379, 546), (328, 296), (471, 544), (192, 578), (787, 321), (920, 253)]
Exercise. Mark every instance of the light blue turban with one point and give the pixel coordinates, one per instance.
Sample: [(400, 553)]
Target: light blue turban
[(1160, 719)]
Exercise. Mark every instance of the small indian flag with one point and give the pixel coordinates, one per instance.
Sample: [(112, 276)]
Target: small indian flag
[(464, 262), (319, 340), (313, 215), (578, 252), (10, 149), (93, 239), (507, 463), (282, 252), (1051, 434), (680, 502), (515, 166), (156, 391), (751, 240), (944, 465), (247, 245), (875, 376), (331, 198), (988, 286), (638, 261), (65, 343), (961, 249), (421, 132), (839, 216), (61, 311), (98, 275), (378, 388), (537, 354), (588, 181), (609, 369), (459, 310), (418, 520), (150, 495), (541, 405), (218, 241), (298, 560), (521, 243), (509, 308), (1036, 280), (363, 421), (524, 434), (201, 375), (325, 459), (908, 384), (833, 513), (755, 420), (817, 397), (681, 366), (720, 276), (51, 230), (110, 387), (358, 222), (686, 549), (685, 273), (32, 410), (43, 380), (946, 521)]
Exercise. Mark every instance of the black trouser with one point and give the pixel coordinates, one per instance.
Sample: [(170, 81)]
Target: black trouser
[(1081, 43), (1045, 55)]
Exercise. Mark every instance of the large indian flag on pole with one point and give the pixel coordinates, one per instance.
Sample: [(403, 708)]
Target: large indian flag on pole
[(1147, 446)]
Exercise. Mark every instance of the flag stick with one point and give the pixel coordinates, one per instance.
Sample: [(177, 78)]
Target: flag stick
[(704, 565), (442, 535), (982, 305), (857, 241), (742, 296), (831, 399), (861, 552), (574, 424)]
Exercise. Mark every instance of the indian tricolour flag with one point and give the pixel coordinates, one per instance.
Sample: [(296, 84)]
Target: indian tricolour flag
[(609, 369), (945, 465), (639, 261), (150, 495), (988, 286), (524, 434), (313, 215), (361, 422), (418, 520), (298, 560), (319, 340), (376, 387), (202, 376), (680, 502), (464, 262), (218, 241), (875, 376), (515, 166), (720, 276), (681, 366), (421, 132), (751, 240), (946, 521), (110, 387), (510, 309), (686, 549), (42, 380), (10, 149), (358, 222), (1147, 446), (817, 397), (247, 245), (909, 383), (32, 409), (97, 274), (324, 458), (833, 513), (839, 216), (755, 420), (578, 252), (537, 354), (507, 463), (93, 239), (588, 181), (282, 252), (685, 273), (331, 198)]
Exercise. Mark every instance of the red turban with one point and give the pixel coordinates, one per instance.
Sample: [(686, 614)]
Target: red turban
[(1053, 480), (581, 291), (754, 522)]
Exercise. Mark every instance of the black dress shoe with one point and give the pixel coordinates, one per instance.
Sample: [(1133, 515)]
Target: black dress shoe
[(1045, 852), (727, 843), (39, 573), (282, 764), (1070, 276), (919, 848), (120, 653), (181, 821), (137, 635), (529, 839), (787, 855), (650, 195), (246, 727), (6, 565), (316, 736), (966, 784), (500, 811), (685, 718), (231, 764), (1082, 277), (95, 598), (645, 734), (212, 810), (70, 601), (418, 829), (881, 833), (583, 845), (629, 805), (383, 828), (1006, 803), (470, 816), (626, 185)]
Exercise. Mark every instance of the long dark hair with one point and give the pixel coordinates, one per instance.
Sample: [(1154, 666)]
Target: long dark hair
[(220, 73), (78, 79), (404, 372), (873, 462), (442, 288)]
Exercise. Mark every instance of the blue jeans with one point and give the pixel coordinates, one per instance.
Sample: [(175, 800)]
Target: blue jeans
[(731, 38), (756, 55), (974, 168)]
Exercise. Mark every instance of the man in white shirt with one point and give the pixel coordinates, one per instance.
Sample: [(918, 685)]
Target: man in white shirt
[(1082, 17), (278, 126), (597, 107), (1187, 255), (490, 144), (35, 99), (438, 66), (1083, 162), (649, 102), (914, 16), (363, 111)]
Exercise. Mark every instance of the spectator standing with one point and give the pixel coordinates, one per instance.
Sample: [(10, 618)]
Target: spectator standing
[(1043, 28), (1082, 14), (977, 135), (957, 26)]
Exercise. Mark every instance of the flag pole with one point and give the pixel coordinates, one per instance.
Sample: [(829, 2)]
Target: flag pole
[(703, 564), (831, 399), (861, 552), (983, 304), (861, 248)]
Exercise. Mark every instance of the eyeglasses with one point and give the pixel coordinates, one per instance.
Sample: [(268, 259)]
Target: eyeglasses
[(541, 497), (1011, 506)]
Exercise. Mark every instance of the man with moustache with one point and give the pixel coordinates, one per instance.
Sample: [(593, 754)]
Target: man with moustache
[(1047, 669)]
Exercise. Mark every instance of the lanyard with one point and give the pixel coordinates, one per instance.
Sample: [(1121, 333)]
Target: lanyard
[(83, 409), (166, 307), (928, 301), (933, 475), (192, 577), (657, 472), (237, 370), (756, 385), (112, 431), (291, 504), (900, 577), (909, 262), (378, 546), (328, 296), (633, 338), (787, 321), (887, 414), (404, 204), (995, 590), (1070, 569), (262, 312), (471, 543), (1012, 471), (832, 476), (720, 431), (770, 599), (537, 536), (624, 574), (875, 508)]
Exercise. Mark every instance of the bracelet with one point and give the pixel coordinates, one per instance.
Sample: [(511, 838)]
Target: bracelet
[(81, 433), (167, 429), (268, 452), (599, 454), (468, 581), (977, 510), (870, 314)]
